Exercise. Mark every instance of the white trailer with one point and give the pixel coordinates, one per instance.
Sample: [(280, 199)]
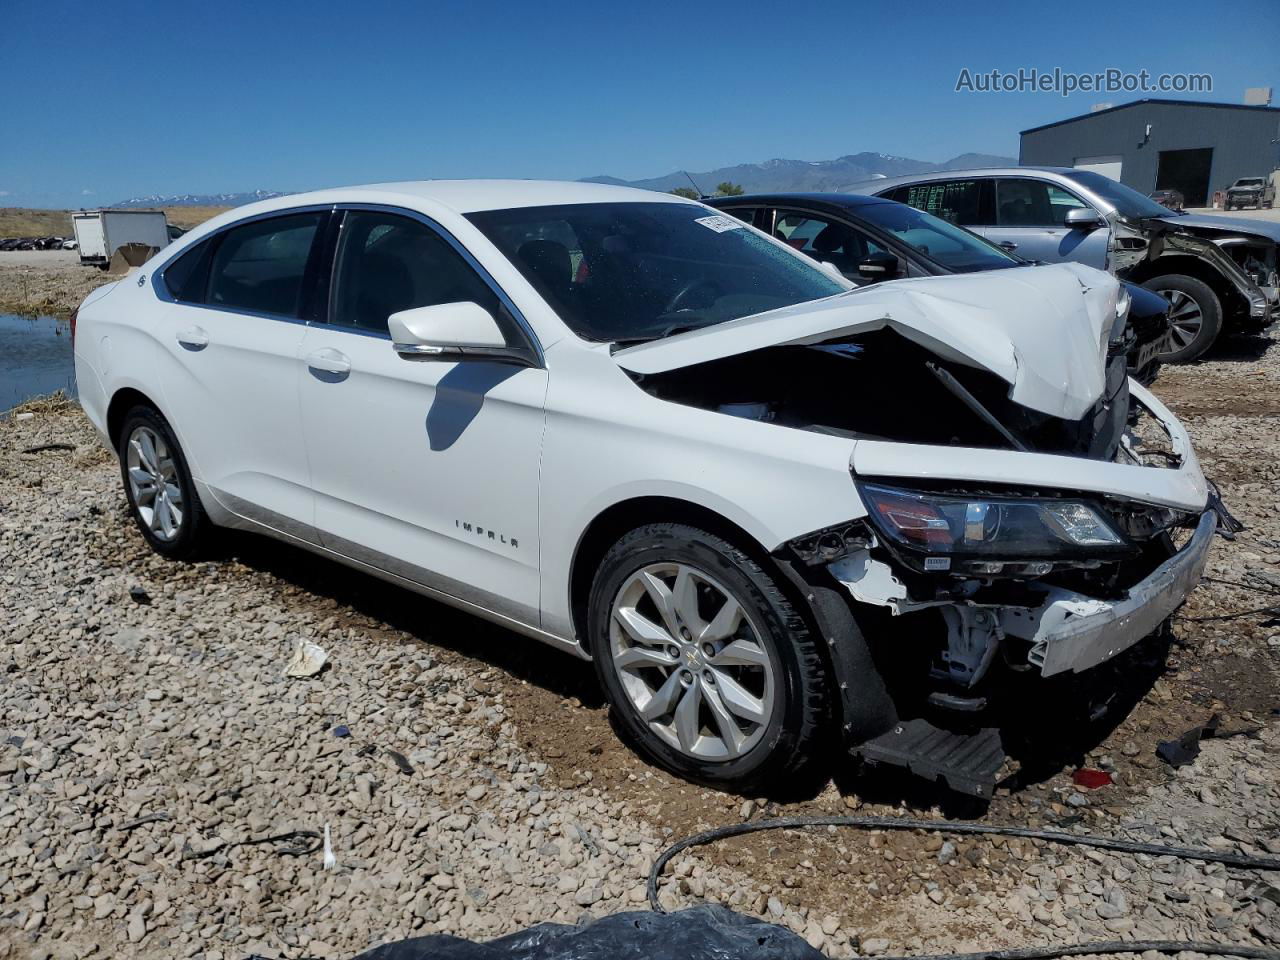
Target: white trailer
[(101, 233)]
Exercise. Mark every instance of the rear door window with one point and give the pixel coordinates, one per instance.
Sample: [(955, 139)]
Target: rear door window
[(259, 267), (962, 202)]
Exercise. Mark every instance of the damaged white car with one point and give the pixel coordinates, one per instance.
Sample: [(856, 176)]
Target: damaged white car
[(645, 433)]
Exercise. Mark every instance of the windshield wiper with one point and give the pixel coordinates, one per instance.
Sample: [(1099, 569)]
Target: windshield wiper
[(670, 331)]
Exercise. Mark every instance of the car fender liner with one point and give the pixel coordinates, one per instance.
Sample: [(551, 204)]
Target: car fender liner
[(866, 708)]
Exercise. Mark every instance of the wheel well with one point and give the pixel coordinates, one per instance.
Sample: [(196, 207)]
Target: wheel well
[(124, 401), (605, 530), (1191, 267)]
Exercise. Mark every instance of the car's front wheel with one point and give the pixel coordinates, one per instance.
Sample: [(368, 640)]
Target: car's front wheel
[(158, 485), (707, 666), (1195, 315)]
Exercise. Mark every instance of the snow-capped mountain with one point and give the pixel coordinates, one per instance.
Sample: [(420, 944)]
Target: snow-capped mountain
[(200, 199)]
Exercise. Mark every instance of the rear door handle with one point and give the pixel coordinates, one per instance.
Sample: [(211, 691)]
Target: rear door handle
[(193, 338), (1008, 245), (329, 361)]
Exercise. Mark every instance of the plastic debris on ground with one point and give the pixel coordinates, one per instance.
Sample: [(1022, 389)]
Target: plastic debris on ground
[(1091, 779), (706, 931), (330, 861), (1180, 752), (308, 659)]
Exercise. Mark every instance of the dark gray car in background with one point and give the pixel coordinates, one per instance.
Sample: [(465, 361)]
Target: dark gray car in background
[(872, 240), (1218, 273)]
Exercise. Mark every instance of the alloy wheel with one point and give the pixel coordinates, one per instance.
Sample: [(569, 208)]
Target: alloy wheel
[(154, 484), (691, 662), (1185, 317)]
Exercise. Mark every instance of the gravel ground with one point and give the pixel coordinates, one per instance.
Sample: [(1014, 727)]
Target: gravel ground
[(147, 732)]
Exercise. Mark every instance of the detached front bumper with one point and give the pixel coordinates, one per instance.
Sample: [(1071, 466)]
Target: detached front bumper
[(1073, 632)]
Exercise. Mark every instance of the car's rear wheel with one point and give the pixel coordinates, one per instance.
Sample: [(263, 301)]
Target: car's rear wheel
[(1195, 315), (707, 666), (158, 486)]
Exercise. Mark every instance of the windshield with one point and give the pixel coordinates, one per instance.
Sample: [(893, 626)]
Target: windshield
[(1249, 182), (1128, 203), (637, 271), (954, 247)]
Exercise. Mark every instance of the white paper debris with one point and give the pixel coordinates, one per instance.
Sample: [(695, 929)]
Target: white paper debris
[(24, 416), (308, 658), (720, 223), (330, 861)]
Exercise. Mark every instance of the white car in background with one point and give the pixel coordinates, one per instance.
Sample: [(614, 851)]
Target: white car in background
[(649, 435)]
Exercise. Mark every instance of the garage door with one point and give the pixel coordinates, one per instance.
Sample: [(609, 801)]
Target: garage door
[(1107, 166)]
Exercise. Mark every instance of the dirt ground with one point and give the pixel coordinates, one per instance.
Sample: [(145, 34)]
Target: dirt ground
[(46, 282), (520, 803)]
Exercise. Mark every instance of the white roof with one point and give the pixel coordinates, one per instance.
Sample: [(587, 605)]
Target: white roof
[(468, 196)]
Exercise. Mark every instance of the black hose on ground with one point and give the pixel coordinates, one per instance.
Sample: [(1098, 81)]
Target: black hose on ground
[(1239, 860)]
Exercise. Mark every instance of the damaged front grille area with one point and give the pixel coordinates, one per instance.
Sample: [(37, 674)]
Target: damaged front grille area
[(1145, 441), (883, 386)]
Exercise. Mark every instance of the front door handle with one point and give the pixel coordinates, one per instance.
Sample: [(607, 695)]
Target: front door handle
[(329, 361), (193, 338), (1008, 245)]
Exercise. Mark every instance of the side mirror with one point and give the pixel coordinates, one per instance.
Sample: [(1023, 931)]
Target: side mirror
[(1083, 218), (452, 332), (878, 266)]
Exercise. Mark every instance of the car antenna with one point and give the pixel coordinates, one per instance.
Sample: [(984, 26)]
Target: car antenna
[(696, 188)]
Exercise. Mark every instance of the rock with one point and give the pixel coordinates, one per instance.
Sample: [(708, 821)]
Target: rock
[(588, 895), (875, 946), (136, 928)]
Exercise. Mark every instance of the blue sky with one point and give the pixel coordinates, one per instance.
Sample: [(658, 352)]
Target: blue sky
[(116, 98)]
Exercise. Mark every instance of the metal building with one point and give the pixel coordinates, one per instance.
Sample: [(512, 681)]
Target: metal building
[(1185, 145)]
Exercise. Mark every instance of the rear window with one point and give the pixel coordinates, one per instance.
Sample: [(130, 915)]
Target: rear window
[(259, 267)]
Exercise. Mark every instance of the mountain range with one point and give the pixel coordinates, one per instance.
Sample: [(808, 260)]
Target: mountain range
[(772, 176), (818, 176), (199, 199)]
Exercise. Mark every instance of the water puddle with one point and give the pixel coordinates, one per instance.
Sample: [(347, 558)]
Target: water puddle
[(35, 358)]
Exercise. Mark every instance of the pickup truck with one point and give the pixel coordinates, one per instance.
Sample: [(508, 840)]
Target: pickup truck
[(1251, 192)]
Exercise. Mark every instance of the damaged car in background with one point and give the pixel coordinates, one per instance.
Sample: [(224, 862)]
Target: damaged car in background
[(1218, 273), (872, 240), (775, 511)]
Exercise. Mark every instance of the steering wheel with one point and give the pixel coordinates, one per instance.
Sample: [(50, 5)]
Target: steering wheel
[(677, 301)]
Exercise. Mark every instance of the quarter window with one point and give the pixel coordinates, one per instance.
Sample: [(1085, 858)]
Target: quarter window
[(1032, 203), (187, 278), (259, 266), (388, 263)]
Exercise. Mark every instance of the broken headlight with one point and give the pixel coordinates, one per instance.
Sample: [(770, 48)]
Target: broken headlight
[(987, 535)]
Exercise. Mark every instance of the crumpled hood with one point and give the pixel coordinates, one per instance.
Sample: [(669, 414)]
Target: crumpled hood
[(1042, 329), (1259, 228)]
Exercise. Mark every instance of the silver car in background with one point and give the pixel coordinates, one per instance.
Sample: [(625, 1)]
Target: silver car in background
[(1217, 272)]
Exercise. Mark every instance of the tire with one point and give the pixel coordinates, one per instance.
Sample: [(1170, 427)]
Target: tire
[(781, 725), (1200, 312), (170, 519)]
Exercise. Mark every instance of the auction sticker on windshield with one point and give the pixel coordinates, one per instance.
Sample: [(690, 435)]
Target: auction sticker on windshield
[(720, 224)]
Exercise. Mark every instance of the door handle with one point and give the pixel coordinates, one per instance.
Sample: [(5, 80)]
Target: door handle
[(330, 361), (193, 338), (1008, 244)]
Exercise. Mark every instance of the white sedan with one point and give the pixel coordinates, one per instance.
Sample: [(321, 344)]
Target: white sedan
[(773, 510)]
